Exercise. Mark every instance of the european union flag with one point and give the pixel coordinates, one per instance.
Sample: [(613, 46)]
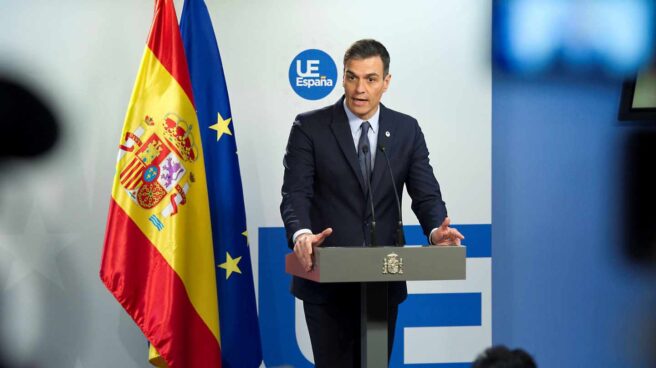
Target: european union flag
[(238, 323)]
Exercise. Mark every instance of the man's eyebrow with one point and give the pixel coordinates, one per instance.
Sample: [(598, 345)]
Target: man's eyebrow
[(366, 76)]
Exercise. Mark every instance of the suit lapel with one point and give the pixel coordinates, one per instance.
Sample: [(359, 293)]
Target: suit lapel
[(385, 138), (342, 131)]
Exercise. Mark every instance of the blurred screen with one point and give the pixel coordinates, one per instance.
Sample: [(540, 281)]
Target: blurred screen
[(537, 36)]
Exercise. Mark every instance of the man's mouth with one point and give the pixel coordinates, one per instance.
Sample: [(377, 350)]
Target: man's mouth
[(359, 101)]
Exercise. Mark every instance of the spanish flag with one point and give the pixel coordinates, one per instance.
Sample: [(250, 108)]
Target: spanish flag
[(158, 258)]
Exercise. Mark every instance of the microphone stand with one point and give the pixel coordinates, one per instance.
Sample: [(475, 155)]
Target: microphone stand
[(400, 237)]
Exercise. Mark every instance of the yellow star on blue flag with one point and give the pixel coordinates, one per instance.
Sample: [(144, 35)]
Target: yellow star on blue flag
[(221, 126), (230, 265)]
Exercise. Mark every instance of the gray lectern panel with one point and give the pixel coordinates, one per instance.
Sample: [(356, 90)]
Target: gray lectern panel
[(372, 264)]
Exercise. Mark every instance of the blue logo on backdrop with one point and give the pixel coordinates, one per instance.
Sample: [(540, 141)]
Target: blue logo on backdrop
[(312, 74)]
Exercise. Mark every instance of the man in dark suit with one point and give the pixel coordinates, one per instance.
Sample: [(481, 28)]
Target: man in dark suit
[(333, 162)]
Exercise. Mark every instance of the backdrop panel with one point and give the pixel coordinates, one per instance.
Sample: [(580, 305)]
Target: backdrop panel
[(440, 75)]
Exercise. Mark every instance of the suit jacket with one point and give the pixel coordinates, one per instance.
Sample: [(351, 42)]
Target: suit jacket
[(323, 187)]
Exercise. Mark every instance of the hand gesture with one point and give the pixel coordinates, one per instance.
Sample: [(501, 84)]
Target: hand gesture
[(304, 247), (445, 235)]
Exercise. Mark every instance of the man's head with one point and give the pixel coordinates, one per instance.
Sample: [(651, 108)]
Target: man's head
[(366, 76), (365, 49)]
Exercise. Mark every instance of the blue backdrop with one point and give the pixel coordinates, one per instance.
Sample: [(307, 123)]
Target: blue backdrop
[(562, 287)]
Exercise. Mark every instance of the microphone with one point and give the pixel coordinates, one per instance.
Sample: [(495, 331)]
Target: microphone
[(365, 150), (400, 238)]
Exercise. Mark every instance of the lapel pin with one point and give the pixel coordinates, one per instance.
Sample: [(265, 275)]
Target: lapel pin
[(387, 133)]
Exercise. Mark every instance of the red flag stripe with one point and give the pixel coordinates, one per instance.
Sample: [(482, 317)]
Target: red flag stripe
[(154, 295), (168, 47)]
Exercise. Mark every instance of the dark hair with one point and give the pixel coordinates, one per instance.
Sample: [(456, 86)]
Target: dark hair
[(502, 357), (367, 48)]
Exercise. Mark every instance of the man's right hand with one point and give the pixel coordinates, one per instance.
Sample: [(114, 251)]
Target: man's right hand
[(304, 247)]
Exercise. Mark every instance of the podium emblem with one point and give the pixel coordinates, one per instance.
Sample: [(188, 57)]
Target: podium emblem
[(392, 264)]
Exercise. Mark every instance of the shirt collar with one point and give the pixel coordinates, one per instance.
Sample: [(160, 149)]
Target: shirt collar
[(355, 122)]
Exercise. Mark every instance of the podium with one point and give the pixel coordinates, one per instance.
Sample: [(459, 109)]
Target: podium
[(373, 266)]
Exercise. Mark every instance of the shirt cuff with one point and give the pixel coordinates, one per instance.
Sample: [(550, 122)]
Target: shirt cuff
[(430, 236), (300, 232)]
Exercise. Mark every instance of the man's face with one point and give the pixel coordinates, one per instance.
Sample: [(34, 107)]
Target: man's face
[(364, 85)]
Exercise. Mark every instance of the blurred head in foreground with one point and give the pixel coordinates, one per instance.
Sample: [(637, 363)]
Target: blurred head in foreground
[(502, 357)]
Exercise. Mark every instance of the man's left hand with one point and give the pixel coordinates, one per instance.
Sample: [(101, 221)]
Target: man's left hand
[(445, 235)]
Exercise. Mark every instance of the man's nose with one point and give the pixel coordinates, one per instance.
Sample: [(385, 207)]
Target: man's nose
[(359, 88)]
